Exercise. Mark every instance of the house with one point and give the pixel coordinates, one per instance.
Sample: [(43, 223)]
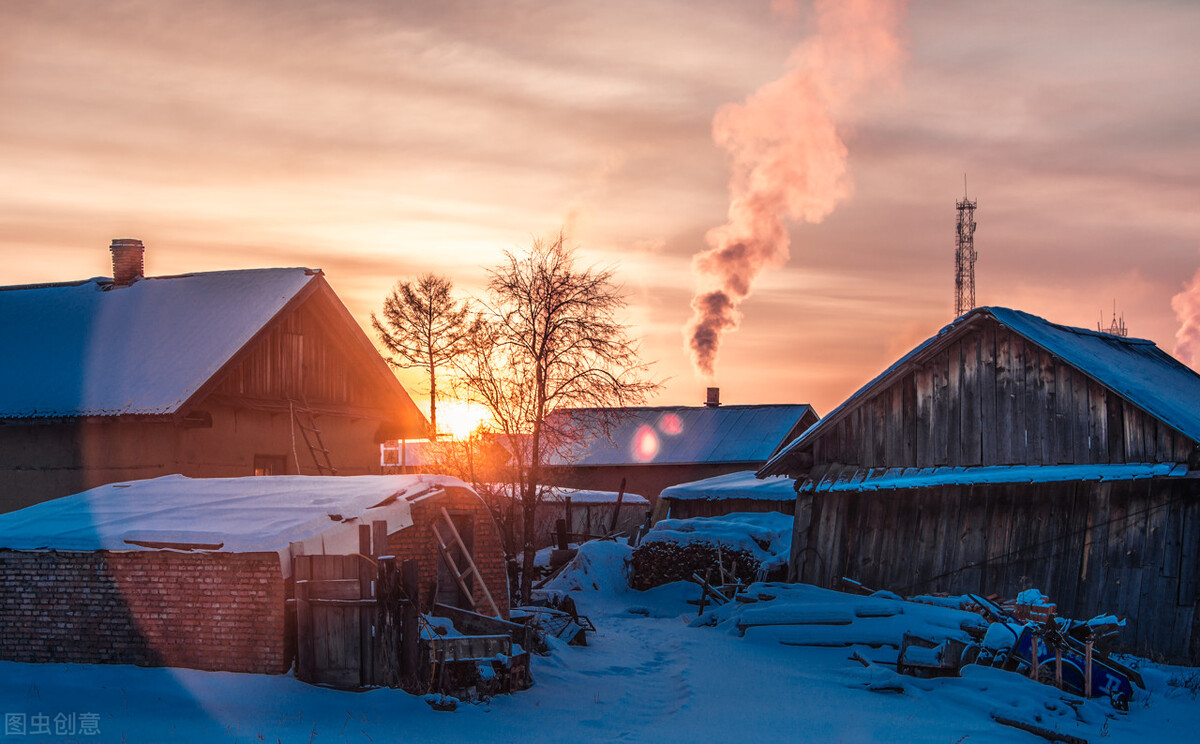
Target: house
[(215, 374), (1009, 452), (650, 448), (201, 573), (728, 494)]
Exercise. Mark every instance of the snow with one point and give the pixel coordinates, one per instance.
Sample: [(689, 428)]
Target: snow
[(767, 536), (650, 673), (895, 478), (232, 515), (740, 485), (87, 348), (1033, 598), (558, 494)]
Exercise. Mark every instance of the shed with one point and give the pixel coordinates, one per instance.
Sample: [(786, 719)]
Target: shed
[(727, 494), (1008, 452), (650, 448), (199, 573), (212, 374)]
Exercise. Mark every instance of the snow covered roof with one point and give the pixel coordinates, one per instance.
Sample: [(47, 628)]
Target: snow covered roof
[(91, 349), (1134, 368), (740, 485), (230, 515), (671, 435), (878, 479), (577, 495)]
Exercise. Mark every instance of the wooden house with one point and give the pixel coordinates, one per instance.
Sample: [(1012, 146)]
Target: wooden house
[(215, 374), (1009, 452), (204, 573), (738, 492), (650, 448)]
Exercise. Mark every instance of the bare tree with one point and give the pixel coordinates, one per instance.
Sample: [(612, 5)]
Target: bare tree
[(423, 326), (547, 339)]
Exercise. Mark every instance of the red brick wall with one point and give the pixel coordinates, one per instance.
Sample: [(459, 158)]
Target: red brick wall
[(214, 611), (418, 543)]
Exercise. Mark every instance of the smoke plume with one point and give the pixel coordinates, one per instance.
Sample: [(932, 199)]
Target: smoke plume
[(1186, 305), (788, 158)]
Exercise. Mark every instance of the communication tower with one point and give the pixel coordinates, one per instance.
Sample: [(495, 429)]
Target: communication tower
[(964, 256)]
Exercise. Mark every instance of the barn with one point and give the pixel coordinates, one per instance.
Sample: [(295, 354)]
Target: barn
[(1009, 452), (214, 374), (203, 573), (650, 448), (728, 494)]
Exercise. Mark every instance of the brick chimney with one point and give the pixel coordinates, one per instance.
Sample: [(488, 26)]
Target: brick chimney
[(714, 398), (127, 255)]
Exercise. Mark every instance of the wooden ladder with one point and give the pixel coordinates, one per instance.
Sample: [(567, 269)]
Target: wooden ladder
[(306, 420), (461, 575)]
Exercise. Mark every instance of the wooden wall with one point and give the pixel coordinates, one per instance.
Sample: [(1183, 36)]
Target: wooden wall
[(302, 357), (991, 398), (1128, 548)]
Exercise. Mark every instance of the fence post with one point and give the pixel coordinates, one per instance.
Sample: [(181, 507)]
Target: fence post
[(410, 632)]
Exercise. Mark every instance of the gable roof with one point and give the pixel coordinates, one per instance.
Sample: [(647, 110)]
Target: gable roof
[(91, 349), (677, 435), (1134, 368)]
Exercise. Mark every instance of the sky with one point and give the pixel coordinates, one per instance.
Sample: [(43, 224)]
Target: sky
[(379, 140)]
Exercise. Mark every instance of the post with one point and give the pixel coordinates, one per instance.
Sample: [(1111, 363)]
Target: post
[(617, 508), (366, 616), (569, 520), (560, 526), (1033, 654), (1058, 667), (410, 632), (1087, 669)]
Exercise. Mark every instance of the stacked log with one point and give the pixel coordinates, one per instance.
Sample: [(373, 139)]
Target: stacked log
[(661, 562)]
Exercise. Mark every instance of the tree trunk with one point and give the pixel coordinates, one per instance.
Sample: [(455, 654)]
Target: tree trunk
[(433, 431), (529, 505)]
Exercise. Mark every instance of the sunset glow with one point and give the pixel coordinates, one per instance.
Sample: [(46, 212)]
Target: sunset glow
[(377, 141), (459, 419)]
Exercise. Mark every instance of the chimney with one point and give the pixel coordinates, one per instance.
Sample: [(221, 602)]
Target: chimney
[(714, 398), (127, 256)]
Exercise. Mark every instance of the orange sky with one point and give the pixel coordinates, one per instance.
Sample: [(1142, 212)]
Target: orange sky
[(377, 140)]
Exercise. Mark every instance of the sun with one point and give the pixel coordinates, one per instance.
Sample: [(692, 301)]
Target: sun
[(457, 419)]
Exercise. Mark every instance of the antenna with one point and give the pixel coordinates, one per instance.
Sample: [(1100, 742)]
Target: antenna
[(1116, 327), (965, 255)]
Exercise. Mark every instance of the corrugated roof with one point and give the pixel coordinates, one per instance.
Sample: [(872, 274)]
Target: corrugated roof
[(1134, 368), (671, 435), (91, 349)]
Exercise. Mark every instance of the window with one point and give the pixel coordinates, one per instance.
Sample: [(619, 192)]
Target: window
[(270, 464)]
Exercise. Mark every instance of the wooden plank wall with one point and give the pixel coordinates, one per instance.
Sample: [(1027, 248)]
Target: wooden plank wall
[(991, 398), (301, 358), (1130, 548)]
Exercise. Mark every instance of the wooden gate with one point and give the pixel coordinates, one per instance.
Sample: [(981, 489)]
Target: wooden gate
[(337, 613)]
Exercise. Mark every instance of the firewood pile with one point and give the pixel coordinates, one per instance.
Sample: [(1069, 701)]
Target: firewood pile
[(661, 562)]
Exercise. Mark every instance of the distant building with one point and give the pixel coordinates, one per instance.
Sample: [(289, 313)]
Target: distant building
[(651, 448), (223, 373), (727, 494), (1008, 452)]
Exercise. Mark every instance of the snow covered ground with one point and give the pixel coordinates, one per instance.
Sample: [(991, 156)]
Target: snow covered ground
[(651, 673)]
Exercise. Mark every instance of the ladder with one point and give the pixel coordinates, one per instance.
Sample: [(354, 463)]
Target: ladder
[(304, 419), (460, 575)]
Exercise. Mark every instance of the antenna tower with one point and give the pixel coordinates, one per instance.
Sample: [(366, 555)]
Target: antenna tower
[(964, 256), (1117, 326)]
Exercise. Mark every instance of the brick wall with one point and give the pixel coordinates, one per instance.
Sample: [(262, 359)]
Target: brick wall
[(213, 611), (418, 543)]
